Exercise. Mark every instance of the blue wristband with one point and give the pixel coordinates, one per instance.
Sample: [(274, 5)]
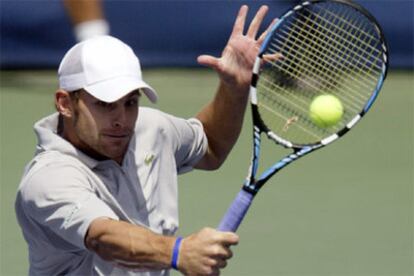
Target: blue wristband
[(176, 252)]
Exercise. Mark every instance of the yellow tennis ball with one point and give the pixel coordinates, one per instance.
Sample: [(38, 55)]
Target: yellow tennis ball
[(326, 110)]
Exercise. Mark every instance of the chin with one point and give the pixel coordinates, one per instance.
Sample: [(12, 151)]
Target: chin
[(116, 155)]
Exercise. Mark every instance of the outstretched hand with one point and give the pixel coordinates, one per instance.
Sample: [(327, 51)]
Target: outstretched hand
[(235, 65)]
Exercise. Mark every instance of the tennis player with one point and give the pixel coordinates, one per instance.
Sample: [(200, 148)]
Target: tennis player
[(100, 195)]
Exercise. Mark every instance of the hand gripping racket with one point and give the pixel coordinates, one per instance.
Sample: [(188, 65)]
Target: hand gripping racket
[(329, 47)]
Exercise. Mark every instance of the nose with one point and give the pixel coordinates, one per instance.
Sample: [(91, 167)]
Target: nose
[(118, 117)]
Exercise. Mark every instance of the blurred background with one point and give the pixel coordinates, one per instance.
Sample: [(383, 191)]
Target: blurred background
[(36, 34), (345, 210)]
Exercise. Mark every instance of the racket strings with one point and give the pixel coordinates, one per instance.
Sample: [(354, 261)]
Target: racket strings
[(299, 102), (290, 102), (355, 28), (323, 53), (280, 114), (292, 107), (327, 77), (339, 43), (326, 50), (351, 39)]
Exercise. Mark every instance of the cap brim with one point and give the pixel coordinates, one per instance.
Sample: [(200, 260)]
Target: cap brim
[(114, 89)]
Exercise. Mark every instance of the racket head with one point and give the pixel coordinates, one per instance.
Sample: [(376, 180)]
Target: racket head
[(329, 47)]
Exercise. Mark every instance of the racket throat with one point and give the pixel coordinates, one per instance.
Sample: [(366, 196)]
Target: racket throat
[(251, 190), (252, 186)]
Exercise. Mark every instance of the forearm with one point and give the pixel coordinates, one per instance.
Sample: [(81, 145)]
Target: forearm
[(222, 120), (129, 245)]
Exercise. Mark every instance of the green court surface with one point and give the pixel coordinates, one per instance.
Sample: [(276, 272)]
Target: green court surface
[(344, 210)]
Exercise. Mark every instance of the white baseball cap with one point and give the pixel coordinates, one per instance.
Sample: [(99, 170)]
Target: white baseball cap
[(105, 67)]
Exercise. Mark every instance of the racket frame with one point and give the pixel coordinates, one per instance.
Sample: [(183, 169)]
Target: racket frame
[(253, 185)]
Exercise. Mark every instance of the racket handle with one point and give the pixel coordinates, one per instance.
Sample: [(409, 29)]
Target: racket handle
[(236, 212)]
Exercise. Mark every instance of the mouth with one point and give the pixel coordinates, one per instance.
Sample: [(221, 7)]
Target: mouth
[(116, 136)]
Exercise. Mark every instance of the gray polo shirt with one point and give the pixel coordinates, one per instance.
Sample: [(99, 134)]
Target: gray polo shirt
[(63, 191)]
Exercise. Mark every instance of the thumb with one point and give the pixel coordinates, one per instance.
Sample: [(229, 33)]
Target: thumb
[(208, 61)]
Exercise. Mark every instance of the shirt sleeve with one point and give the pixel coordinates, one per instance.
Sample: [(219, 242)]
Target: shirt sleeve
[(191, 143), (60, 198)]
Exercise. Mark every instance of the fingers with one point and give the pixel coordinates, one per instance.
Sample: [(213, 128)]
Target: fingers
[(272, 57), (217, 263), (221, 252), (229, 238), (256, 22), (237, 59), (238, 27), (221, 263), (240, 20)]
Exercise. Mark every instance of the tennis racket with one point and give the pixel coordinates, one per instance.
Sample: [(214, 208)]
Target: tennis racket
[(329, 47)]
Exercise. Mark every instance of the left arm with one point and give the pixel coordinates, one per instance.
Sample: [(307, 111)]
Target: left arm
[(222, 118)]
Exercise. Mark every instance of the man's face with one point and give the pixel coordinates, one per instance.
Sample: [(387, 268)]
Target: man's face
[(103, 130)]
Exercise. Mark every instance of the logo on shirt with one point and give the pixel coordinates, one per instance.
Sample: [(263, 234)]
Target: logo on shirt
[(148, 159)]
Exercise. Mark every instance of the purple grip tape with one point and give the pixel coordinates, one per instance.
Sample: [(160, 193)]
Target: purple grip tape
[(236, 212)]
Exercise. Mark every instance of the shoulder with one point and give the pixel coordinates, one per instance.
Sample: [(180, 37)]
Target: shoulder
[(154, 117), (155, 121), (169, 127), (51, 175)]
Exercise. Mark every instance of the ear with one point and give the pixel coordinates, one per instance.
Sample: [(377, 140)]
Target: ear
[(63, 103)]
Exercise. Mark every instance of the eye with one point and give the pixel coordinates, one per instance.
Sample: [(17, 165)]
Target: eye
[(132, 102), (103, 104)]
